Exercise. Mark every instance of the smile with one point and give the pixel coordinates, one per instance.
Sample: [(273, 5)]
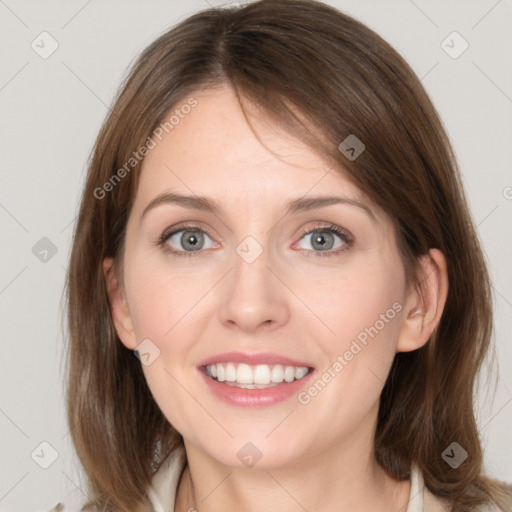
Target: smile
[(259, 376), (254, 380)]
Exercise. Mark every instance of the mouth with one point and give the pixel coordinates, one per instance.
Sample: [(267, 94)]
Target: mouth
[(258, 376), (254, 380)]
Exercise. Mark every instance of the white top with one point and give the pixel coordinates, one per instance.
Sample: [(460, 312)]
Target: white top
[(162, 493)]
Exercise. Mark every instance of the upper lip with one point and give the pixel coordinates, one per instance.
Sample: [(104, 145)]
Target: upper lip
[(268, 358)]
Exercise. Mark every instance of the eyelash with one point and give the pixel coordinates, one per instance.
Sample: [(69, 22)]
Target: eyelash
[(345, 236)]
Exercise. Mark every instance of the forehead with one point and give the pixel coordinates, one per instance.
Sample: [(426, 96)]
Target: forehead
[(211, 150)]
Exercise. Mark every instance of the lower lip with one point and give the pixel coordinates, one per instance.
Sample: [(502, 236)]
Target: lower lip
[(243, 397)]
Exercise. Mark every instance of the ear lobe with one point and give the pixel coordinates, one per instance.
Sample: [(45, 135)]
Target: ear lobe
[(121, 316), (425, 304)]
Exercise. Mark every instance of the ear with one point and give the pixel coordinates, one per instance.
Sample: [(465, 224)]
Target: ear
[(425, 304), (121, 316)]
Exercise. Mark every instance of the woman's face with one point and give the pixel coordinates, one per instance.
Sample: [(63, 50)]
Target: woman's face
[(260, 283)]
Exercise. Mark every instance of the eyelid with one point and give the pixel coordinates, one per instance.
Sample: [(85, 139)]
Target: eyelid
[(346, 237), (327, 226), (185, 226), (342, 233)]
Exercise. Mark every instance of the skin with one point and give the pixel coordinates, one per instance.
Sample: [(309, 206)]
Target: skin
[(317, 456)]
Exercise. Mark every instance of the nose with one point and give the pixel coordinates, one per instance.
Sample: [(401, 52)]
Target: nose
[(254, 296)]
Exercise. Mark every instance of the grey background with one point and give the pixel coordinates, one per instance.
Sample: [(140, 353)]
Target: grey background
[(51, 111)]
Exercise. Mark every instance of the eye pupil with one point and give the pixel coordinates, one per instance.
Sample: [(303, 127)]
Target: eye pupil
[(191, 239), (320, 240)]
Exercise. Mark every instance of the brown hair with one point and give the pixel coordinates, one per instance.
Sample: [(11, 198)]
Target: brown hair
[(325, 76)]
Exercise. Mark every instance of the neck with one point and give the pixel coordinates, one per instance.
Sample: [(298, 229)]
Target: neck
[(346, 478)]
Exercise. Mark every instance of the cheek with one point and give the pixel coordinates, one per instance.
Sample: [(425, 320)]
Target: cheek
[(160, 297), (362, 310), (365, 318), (152, 309), (363, 303), (162, 305)]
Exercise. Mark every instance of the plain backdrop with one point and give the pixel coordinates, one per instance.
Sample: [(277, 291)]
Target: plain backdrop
[(52, 107)]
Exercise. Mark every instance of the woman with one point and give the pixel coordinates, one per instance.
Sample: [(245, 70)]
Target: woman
[(274, 224)]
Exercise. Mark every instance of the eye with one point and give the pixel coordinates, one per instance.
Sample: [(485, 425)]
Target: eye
[(328, 239), (325, 240), (185, 241)]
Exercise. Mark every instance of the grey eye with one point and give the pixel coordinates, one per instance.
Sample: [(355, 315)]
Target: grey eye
[(323, 240), (188, 240)]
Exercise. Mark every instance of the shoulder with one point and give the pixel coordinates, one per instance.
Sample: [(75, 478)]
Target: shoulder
[(161, 492), (423, 500), (434, 503)]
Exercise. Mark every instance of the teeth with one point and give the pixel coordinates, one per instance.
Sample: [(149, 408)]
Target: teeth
[(262, 374), (299, 372), (277, 373), (230, 372), (258, 376), (244, 374), (250, 386)]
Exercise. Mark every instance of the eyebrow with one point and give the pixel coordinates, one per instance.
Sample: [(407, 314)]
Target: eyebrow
[(300, 204)]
